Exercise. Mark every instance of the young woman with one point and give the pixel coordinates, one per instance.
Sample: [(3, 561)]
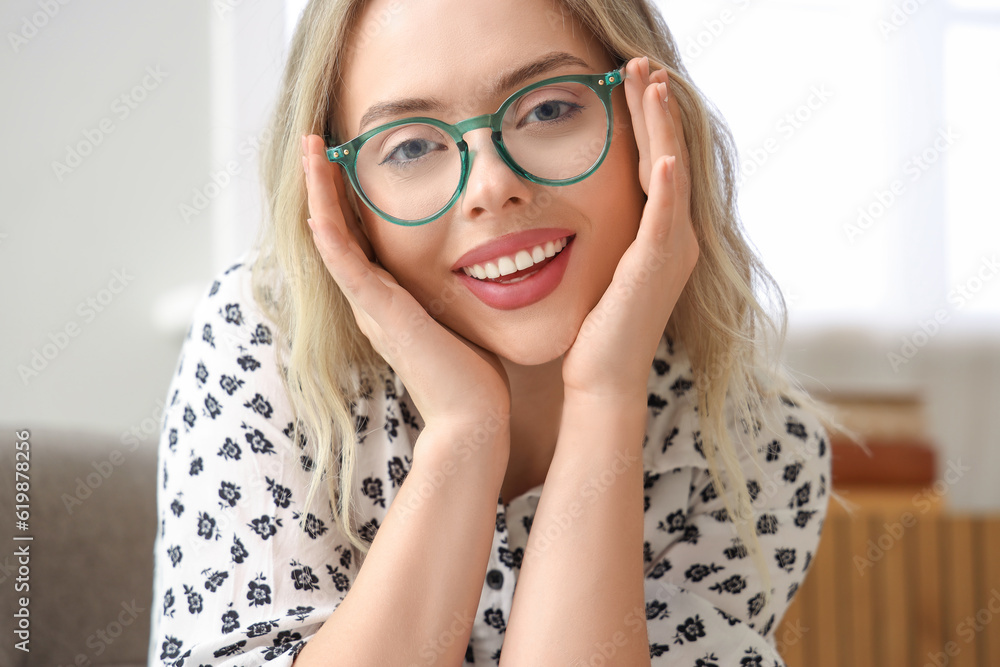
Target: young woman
[(500, 330)]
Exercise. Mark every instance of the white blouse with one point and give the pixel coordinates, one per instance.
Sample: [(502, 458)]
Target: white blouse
[(239, 583)]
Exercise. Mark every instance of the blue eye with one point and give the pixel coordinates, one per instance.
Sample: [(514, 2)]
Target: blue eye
[(551, 112), (410, 151)]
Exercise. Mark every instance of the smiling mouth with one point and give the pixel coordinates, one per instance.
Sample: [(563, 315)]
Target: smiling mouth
[(517, 267)]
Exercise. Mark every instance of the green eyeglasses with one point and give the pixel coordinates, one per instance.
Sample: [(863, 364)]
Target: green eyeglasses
[(552, 132)]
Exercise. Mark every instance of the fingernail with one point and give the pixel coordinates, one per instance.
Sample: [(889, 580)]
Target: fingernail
[(305, 164), (309, 221), (305, 144), (662, 88)]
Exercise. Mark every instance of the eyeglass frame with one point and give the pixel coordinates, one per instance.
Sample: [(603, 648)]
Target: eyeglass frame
[(346, 154)]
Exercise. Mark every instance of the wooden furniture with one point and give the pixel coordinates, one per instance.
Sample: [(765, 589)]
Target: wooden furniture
[(898, 580)]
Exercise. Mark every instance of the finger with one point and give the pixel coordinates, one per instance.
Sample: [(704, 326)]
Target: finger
[(321, 175), (636, 81), (674, 110), (660, 124), (341, 254), (658, 213), (672, 247), (322, 194), (353, 223), (352, 273)]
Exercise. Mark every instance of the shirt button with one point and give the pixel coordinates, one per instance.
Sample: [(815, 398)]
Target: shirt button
[(494, 579)]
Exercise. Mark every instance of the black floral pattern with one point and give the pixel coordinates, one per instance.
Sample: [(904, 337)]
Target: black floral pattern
[(215, 580), (246, 572), (230, 621), (230, 493), (303, 577)]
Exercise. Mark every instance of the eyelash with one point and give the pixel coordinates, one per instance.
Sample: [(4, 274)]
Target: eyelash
[(573, 110), (564, 117)]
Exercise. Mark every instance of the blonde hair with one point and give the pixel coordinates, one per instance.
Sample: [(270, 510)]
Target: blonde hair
[(718, 318)]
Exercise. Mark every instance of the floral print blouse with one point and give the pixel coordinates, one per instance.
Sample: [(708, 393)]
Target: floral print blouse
[(239, 582)]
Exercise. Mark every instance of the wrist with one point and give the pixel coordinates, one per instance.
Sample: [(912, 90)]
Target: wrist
[(481, 436), (596, 430), (594, 413), (627, 399)]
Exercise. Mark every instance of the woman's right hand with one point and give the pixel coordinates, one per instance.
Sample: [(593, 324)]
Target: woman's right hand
[(452, 381)]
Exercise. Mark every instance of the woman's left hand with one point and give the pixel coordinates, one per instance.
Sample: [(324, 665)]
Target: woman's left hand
[(611, 356)]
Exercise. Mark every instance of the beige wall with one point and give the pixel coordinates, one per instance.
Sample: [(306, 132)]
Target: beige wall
[(131, 81)]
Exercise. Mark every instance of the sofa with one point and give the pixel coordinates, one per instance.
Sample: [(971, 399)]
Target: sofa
[(81, 587)]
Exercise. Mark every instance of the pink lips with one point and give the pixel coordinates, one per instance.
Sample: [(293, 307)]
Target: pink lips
[(530, 289), (509, 245)]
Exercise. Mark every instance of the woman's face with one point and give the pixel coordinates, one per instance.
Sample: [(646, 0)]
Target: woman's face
[(453, 51)]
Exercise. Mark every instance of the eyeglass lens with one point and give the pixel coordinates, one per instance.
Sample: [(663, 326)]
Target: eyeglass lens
[(556, 132)]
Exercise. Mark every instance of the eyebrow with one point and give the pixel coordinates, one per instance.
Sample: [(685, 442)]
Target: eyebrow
[(504, 82)]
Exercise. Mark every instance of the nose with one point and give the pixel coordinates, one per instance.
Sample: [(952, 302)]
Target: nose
[(492, 187)]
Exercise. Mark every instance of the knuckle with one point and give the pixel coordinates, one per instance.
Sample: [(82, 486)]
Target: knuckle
[(349, 286)]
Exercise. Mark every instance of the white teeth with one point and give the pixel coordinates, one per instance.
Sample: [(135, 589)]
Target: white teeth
[(507, 266), (523, 259)]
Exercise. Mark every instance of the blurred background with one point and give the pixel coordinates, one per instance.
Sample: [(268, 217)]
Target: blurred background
[(868, 137)]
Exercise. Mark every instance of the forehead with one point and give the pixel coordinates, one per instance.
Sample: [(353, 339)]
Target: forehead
[(453, 51)]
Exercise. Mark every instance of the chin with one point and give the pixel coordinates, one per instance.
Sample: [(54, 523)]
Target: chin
[(539, 346), (534, 355)]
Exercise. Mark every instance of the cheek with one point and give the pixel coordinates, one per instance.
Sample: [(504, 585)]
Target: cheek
[(386, 240), (621, 191), (407, 254)]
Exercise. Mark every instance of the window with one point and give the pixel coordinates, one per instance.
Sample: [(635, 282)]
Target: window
[(869, 149)]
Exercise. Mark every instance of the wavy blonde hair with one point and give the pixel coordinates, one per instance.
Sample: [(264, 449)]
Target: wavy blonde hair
[(732, 341)]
